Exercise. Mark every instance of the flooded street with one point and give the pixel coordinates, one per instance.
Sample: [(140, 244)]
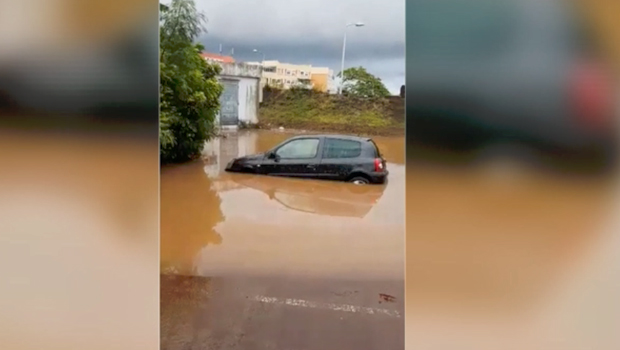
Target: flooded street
[(275, 263), (252, 262)]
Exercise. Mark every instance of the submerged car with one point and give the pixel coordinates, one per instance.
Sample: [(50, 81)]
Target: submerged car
[(328, 157)]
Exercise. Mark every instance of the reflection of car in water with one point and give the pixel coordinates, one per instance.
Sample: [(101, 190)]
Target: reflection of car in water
[(329, 157), (318, 197), (514, 72)]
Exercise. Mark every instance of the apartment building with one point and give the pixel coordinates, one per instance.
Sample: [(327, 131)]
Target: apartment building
[(322, 78), (287, 75)]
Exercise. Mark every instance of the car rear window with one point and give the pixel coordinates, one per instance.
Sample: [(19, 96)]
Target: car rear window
[(339, 148), (377, 152)]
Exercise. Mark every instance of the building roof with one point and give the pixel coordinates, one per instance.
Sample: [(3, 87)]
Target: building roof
[(320, 70), (216, 57)]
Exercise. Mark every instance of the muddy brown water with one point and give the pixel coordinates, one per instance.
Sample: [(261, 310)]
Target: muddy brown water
[(215, 223), (507, 257), (530, 256)]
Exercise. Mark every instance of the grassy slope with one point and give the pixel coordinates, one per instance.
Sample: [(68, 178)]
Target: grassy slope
[(323, 112)]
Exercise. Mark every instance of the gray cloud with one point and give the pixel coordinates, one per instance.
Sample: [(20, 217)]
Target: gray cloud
[(311, 32)]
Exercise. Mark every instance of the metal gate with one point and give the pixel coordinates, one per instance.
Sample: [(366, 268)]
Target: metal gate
[(229, 103)]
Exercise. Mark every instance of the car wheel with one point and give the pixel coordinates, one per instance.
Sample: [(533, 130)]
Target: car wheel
[(359, 180)]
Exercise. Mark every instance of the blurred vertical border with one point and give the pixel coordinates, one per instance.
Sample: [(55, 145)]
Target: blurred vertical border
[(512, 195), (79, 180)]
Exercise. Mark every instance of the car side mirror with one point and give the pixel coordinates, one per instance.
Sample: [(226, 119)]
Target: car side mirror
[(273, 155)]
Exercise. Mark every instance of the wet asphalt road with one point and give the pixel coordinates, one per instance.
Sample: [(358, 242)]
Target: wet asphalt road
[(280, 313)]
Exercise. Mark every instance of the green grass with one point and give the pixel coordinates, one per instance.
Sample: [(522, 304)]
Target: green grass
[(317, 111)]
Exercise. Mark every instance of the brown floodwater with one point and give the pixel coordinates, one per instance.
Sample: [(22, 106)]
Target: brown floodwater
[(493, 253), (215, 223), (511, 257)]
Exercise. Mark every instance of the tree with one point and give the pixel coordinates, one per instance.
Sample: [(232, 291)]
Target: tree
[(189, 89), (358, 82)]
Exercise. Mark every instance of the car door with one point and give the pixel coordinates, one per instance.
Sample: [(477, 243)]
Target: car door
[(297, 158), (340, 158)]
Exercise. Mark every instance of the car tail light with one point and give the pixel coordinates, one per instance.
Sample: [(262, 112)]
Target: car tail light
[(592, 96), (379, 165)]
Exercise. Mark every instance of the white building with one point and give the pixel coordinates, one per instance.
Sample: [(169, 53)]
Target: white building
[(241, 96), (287, 75)]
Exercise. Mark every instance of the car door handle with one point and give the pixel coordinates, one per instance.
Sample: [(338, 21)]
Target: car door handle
[(311, 166)]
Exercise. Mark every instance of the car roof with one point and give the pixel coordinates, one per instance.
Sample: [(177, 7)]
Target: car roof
[(334, 136)]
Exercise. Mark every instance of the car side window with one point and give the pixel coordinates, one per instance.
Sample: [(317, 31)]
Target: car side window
[(299, 149), (337, 148)]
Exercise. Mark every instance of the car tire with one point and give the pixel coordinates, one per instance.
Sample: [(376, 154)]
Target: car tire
[(359, 180)]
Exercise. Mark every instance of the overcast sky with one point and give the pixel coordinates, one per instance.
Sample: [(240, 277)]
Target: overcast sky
[(311, 32)]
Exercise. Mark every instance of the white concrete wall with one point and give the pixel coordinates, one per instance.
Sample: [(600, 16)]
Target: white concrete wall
[(241, 70), (249, 96), (248, 100)]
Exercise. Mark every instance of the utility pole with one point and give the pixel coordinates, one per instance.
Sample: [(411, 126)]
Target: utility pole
[(344, 47)]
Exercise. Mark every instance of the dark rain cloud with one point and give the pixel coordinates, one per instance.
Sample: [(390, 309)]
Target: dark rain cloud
[(311, 32)]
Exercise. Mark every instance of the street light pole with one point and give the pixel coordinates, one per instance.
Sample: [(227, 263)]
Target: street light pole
[(258, 51), (344, 48), (262, 66), (262, 82)]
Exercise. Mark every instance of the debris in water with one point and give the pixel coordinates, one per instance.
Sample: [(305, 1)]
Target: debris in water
[(387, 298)]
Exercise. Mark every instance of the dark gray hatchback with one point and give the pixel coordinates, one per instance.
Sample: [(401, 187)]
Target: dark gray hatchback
[(329, 157)]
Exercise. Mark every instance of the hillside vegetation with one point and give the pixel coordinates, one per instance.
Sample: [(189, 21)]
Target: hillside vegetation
[(316, 111)]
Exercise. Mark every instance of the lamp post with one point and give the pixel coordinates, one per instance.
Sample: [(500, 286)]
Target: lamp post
[(263, 81), (344, 47), (262, 67), (258, 51)]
